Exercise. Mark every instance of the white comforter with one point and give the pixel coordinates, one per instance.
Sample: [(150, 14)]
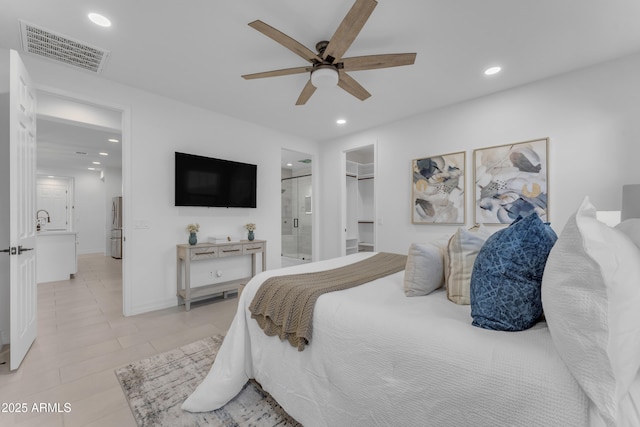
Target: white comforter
[(379, 358)]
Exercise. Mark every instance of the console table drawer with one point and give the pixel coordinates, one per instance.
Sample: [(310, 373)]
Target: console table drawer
[(252, 248), (230, 250), (204, 253)]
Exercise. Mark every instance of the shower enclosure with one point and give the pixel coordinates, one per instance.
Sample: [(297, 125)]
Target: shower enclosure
[(296, 217)]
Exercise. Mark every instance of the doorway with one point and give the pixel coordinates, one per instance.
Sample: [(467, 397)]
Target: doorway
[(80, 142), (297, 212), (359, 208)]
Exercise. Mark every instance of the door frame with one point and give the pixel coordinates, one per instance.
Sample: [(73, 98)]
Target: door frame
[(126, 177)]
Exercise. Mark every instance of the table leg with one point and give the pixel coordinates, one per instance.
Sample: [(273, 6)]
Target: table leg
[(187, 284)]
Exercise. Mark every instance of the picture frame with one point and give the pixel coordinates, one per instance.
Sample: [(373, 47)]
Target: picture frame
[(511, 180), (438, 189)]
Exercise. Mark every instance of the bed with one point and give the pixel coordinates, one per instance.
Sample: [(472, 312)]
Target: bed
[(379, 358)]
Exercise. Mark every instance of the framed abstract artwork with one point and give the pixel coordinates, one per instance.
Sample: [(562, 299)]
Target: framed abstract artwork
[(511, 180), (437, 195)]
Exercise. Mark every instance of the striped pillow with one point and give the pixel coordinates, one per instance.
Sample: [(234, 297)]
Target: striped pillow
[(459, 256)]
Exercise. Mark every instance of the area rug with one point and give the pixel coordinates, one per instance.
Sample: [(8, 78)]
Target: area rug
[(157, 386)]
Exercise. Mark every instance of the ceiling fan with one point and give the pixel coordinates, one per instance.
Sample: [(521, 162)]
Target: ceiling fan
[(328, 67)]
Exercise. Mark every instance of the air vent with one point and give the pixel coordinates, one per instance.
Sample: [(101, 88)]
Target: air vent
[(48, 44)]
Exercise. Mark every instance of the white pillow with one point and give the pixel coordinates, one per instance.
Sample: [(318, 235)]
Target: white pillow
[(460, 254), (591, 300), (424, 272), (631, 228)]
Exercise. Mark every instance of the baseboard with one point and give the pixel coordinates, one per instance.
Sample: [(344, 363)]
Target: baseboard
[(92, 251), (153, 306)]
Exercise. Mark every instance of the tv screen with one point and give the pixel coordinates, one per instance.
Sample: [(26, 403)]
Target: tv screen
[(205, 181)]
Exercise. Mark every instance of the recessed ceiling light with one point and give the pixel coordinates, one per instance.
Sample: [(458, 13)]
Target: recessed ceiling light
[(91, 169), (100, 20), (289, 164), (341, 121), (96, 163), (113, 140), (104, 154), (493, 70)]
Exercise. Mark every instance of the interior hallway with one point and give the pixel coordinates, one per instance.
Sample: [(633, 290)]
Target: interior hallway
[(83, 337)]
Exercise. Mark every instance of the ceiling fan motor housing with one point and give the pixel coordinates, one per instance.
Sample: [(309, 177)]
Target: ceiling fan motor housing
[(321, 46)]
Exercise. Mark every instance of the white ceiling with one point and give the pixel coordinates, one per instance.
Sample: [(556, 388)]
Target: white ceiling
[(71, 135), (196, 51), (76, 146), (296, 159)]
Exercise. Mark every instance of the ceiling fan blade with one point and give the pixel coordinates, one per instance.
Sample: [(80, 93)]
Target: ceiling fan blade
[(349, 29), (286, 41), (371, 62), (306, 93), (348, 83), (275, 73)]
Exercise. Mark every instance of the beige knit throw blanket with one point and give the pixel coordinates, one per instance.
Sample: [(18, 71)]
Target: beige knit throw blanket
[(283, 305)]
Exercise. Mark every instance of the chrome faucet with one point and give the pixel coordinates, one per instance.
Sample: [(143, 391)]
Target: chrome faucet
[(40, 221)]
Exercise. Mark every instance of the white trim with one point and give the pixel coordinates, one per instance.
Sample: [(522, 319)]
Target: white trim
[(315, 207), (153, 306), (342, 231)]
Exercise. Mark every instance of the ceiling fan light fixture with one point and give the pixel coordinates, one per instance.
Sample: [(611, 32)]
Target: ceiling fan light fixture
[(324, 76)]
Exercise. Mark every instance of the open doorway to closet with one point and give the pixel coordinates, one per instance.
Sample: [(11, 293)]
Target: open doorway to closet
[(297, 213), (359, 206)]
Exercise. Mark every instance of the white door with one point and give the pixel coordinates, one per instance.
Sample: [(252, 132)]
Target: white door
[(22, 200)]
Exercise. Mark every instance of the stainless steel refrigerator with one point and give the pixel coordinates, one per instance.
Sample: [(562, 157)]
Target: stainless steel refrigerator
[(116, 227)]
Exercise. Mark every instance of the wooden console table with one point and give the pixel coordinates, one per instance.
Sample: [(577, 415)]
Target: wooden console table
[(185, 254)]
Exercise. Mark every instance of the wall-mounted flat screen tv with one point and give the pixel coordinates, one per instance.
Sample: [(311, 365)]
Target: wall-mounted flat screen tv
[(206, 181)]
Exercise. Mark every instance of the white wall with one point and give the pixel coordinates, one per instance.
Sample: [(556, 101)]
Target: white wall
[(591, 117), (157, 127), (90, 212), (90, 209)]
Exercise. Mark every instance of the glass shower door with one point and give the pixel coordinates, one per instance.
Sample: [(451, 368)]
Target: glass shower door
[(304, 215), (296, 217)]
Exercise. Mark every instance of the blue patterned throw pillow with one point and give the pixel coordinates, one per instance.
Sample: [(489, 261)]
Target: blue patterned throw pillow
[(507, 276)]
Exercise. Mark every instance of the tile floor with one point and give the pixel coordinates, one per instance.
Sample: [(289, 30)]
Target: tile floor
[(83, 337), (288, 262)]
